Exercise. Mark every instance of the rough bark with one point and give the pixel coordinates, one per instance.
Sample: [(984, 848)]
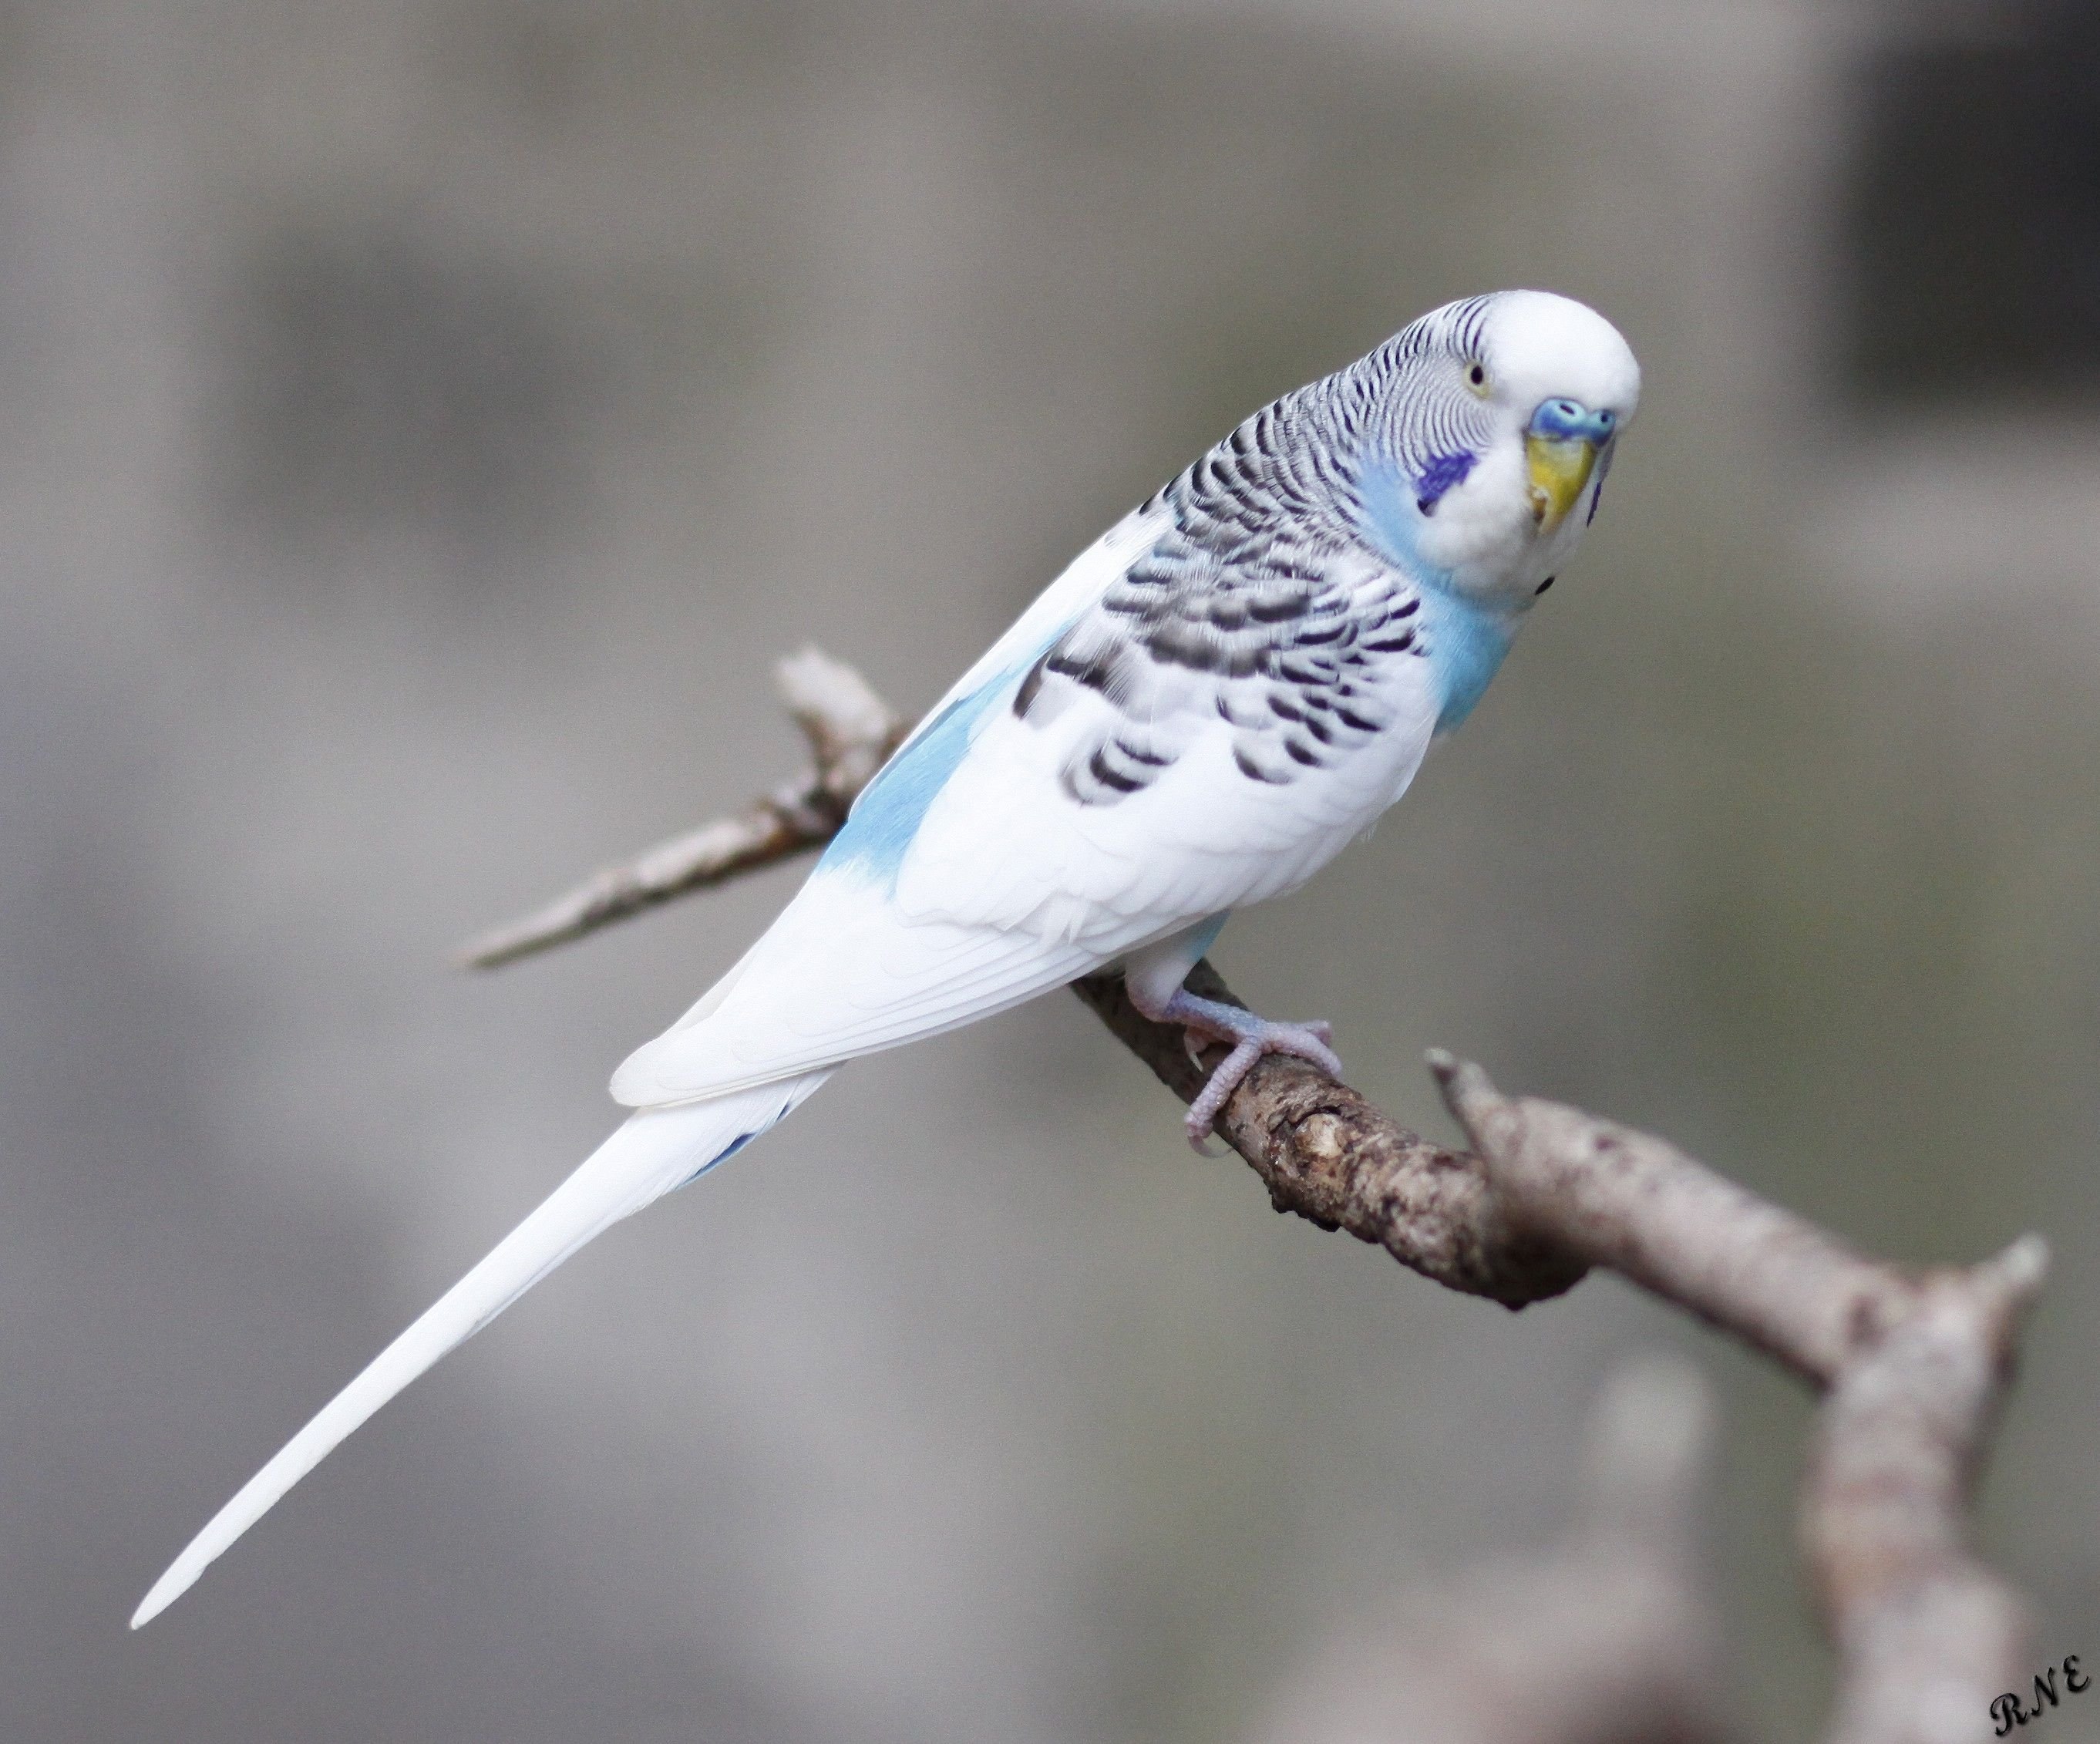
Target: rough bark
[(1912, 1366)]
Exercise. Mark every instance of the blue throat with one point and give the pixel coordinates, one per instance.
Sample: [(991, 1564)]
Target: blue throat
[(1466, 641)]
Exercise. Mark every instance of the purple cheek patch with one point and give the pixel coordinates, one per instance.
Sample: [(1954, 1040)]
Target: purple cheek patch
[(1442, 472)]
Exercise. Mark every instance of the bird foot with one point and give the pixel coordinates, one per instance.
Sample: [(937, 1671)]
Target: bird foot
[(1207, 1021)]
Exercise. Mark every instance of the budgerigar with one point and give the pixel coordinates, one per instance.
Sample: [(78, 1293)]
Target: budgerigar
[(1216, 698)]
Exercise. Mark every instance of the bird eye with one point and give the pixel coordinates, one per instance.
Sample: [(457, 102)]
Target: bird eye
[(1477, 376)]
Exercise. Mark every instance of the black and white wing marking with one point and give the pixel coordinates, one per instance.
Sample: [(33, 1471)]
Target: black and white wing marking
[(1238, 699), (1253, 605)]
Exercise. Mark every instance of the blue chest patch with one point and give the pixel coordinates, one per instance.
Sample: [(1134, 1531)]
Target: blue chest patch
[(1463, 642)]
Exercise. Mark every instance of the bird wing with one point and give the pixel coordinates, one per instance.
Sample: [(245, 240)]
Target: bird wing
[(1084, 580), (842, 974), (1204, 737), (1200, 712), (1243, 695)]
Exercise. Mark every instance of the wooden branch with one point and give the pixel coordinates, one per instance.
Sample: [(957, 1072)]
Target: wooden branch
[(1609, 1637), (1325, 1153), (851, 732), (1912, 1366), (1922, 1627)]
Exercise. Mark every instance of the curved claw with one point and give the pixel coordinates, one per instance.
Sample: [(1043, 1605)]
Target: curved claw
[(1209, 1020), (1252, 1037)]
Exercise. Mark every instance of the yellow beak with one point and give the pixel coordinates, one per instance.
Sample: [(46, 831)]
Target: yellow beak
[(1560, 468)]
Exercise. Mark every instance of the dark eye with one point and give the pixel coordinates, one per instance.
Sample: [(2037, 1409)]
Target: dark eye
[(1477, 375)]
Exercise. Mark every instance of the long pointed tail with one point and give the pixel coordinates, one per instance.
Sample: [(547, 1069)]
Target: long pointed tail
[(656, 1151)]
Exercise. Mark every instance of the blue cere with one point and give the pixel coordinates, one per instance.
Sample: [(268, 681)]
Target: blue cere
[(1571, 420)]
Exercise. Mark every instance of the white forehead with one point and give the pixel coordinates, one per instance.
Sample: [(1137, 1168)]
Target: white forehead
[(1542, 347)]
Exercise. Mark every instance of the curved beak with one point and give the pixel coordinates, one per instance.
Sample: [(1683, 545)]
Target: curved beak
[(1559, 467), (1560, 450)]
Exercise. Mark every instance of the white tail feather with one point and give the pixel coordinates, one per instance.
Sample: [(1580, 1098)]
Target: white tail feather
[(656, 1151)]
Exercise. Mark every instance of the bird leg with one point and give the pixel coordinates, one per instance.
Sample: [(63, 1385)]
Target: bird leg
[(1208, 1020)]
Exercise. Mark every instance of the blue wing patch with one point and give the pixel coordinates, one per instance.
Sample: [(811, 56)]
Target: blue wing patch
[(880, 828), (889, 811)]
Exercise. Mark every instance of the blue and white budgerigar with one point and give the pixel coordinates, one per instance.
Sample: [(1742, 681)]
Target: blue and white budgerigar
[(1215, 699)]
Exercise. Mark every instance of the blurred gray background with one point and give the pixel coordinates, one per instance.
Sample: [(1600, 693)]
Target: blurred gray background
[(421, 425)]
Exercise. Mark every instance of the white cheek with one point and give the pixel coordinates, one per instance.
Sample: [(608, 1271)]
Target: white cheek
[(1482, 530)]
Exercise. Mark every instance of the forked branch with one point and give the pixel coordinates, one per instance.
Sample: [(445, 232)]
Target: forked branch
[(1608, 1635), (1911, 1365), (851, 732)]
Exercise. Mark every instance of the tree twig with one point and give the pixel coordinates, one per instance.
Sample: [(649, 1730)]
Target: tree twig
[(1609, 1637), (1912, 1366), (851, 731)]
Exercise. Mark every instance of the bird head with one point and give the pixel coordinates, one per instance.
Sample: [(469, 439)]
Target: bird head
[(1506, 411)]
